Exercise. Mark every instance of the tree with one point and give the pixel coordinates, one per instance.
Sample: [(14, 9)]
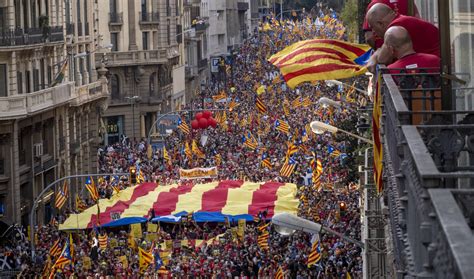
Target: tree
[(349, 17)]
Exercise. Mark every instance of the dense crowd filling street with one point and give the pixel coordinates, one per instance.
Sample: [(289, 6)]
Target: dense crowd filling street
[(222, 254)]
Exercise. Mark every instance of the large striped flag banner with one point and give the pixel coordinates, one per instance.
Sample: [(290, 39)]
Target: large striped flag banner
[(61, 196), (228, 197), (315, 254), (90, 185), (378, 148), (319, 59)]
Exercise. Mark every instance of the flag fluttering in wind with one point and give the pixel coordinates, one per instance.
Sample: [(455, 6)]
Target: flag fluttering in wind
[(266, 163), (144, 258), (64, 259), (260, 106), (80, 204), (103, 241), (61, 196), (378, 148), (319, 59), (315, 254), (282, 126), (55, 250), (279, 274), (263, 236), (250, 141), (90, 185), (187, 151), (219, 97), (195, 149), (183, 126), (288, 167)]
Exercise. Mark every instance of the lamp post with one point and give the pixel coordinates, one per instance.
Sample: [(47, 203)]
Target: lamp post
[(133, 100), (319, 127), (286, 224), (337, 82)]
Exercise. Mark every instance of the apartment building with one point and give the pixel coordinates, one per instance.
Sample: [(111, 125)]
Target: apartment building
[(229, 23), (47, 130), (145, 65), (195, 43)]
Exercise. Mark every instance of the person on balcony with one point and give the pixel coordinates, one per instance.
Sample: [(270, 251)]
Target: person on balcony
[(399, 6), (424, 35), (398, 42)]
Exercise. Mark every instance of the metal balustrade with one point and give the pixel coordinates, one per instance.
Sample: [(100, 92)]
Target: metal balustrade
[(31, 36), (422, 146)]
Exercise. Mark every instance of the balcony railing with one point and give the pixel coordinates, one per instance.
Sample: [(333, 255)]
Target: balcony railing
[(146, 18), (139, 57), (115, 18), (422, 151), (26, 104), (31, 36), (200, 27), (69, 28), (90, 92)]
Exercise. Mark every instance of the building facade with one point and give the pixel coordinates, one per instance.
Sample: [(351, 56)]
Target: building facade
[(145, 64), (195, 42), (47, 130)]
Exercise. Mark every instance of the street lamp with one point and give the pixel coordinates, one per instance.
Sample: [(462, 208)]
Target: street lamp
[(326, 102), (133, 100), (337, 82), (286, 224), (319, 127)]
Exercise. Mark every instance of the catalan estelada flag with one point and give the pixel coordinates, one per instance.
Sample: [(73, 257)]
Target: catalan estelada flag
[(288, 168), (90, 185), (64, 259), (187, 151), (103, 241), (319, 59), (282, 126), (183, 126), (249, 141), (61, 196), (266, 163), (315, 254)]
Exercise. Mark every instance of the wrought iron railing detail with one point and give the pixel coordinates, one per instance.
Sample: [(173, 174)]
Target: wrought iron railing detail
[(423, 147)]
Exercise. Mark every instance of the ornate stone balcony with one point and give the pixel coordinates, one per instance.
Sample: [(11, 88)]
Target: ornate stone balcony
[(138, 57), (431, 219)]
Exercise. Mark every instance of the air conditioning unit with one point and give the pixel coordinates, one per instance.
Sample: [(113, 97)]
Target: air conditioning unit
[(38, 149)]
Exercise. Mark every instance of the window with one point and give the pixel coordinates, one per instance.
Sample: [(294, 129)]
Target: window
[(19, 82), (145, 40), (3, 19), (144, 7), (17, 13), (179, 33), (115, 87), (114, 41), (220, 39), (35, 80), (177, 7), (168, 8), (220, 15), (50, 75), (3, 80), (27, 82), (42, 73)]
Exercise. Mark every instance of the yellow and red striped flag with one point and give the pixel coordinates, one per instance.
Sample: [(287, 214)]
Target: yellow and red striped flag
[(61, 196), (219, 97), (306, 102), (80, 204), (183, 126), (279, 274), (195, 149), (145, 259), (166, 156), (260, 106), (296, 103), (315, 254), (55, 250), (288, 168), (282, 126), (187, 151), (319, 59), (263, 236), (90, 185), (378, 148), (103, 240), (266, 163), (233, 104)]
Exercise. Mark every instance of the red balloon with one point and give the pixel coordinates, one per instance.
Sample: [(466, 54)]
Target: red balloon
[(199, 115), (203, 123), (212, 122), (195, 124), (207, 114)]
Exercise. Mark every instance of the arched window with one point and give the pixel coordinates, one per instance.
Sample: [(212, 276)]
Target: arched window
[(115, 86), (152, 85)]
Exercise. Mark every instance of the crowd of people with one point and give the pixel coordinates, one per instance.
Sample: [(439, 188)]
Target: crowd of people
[(230, 256)]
